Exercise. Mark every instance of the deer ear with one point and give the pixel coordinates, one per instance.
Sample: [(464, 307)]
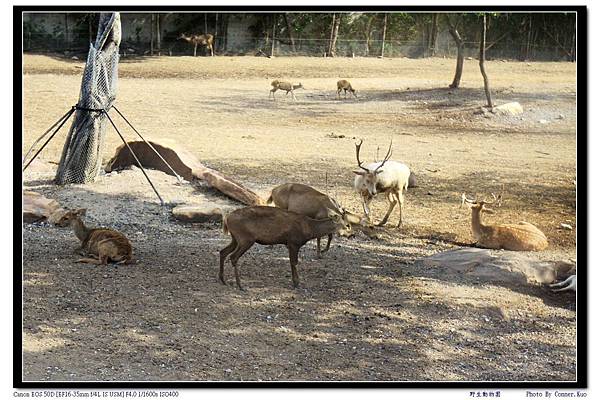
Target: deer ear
[(359, 172), (81, 211)]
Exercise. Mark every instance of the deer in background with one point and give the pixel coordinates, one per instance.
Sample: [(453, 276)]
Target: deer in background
[(106, 244), (305, 200), (205, 40), (522, 236), (271, 225), (389, 177), (346, 86), (282, 85)]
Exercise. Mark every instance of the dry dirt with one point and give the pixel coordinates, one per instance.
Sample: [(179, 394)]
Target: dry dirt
[(366, 311)]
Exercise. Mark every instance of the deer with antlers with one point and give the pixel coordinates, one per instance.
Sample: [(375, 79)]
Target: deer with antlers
[(205, 40), (387, 176), (519, 237)]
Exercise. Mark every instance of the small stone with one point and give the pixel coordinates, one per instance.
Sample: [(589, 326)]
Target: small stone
[(566, 226), (543, 121)]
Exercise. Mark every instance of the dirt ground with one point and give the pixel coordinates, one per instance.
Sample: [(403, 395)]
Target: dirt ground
[(367, 311)]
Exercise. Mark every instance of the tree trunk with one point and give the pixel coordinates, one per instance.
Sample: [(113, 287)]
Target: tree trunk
[(90, 17), (368, 36), (335, 35), (433, 33), (66, 29), (383, 35), (273, 35), (486, 84), (460, 57), (290, 31), (215, 34), (158, 24), (205, 23), (151, 34), (331, 35)]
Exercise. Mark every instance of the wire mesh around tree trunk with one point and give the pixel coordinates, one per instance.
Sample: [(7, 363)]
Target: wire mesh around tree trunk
[(81, 157)]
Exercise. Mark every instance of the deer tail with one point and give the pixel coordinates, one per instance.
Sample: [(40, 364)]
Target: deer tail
[(224, 217)]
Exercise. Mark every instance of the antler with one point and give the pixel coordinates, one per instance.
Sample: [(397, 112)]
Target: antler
[(358, 155), (497, 199), (465, 199), (387, 157)]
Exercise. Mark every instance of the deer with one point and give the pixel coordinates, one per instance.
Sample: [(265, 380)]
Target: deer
[(205, 39), (522, 236), (305, 200), (388, 176), (346, 86), (271, 225), (104, 243), (282, 85)]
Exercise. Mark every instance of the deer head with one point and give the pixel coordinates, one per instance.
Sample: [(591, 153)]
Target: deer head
[(369, 177), (72, 215), (480, 205)]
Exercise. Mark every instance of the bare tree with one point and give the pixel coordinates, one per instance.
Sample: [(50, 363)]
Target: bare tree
[(288, 23), (273, 34), (334, 36), (460, 48), (383, 35), (433, 33), (331, 35), (486, 84)]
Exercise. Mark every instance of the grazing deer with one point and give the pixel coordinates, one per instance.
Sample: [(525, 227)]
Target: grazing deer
[(271, 225), (106, 244), (387, 176), (205, 40), (519, 237), (344, 84), (282, 85), (305, 200), (568, 284)]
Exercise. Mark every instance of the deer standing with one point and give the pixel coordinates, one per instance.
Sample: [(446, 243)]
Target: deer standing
[(206, 40), (282, 85), (522, 236), (387, 176), (346, 86), (106, 244), (272, 225), (305, 200)]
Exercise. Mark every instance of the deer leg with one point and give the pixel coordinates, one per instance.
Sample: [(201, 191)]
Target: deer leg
[(293, 250), (345, 94), (400, 198), (235, 256), (223, 255), (195, 47), (293, 96), (392, 202), (319, 248), (338, 93), (329, 237), (366, 201)]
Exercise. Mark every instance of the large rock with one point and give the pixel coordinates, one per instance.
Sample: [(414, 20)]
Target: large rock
[(197, 214), (37, 208), (498, 266), (183, 163), (509, 109)]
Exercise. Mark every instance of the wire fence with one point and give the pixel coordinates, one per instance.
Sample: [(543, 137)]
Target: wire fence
[(60, 42)]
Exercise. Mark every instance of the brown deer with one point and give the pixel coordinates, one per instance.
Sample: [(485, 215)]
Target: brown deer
[(205, 40), (388, 176), (282, 85), (305, 200), (519, 237), (271, 225), (106, 244), (346, 86)]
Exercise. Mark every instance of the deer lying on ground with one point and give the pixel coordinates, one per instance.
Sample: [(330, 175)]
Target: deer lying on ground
[(519, 237), (305, 200), (205, 40), (271, 225), (282, 85), (106, 244), (389, 177), (346, 86)]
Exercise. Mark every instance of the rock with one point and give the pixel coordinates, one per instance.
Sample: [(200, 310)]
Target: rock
[(560, 116), (543, 121), (37, 208), (412, 180), (566, 226), (183, 163), (513, 108), (197, 214), (498, 266)]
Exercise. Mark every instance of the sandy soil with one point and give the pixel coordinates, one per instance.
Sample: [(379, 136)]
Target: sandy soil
[(366, 311)]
